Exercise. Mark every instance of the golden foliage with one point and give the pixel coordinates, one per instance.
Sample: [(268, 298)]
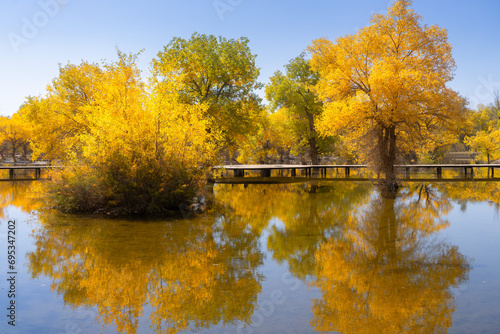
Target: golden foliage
[(472, 192), (59, 117), (16, 133), (128, 148), (271, 142), (385, 86), (486, 142)]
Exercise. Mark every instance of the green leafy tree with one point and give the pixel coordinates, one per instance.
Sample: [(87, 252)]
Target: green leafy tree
[(293, 92), (218, 72)]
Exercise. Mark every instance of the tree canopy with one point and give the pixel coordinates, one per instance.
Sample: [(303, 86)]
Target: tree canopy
[(218, 72), (384, 87), (15, 134), (485, 138), (128, 148), (293, 92)]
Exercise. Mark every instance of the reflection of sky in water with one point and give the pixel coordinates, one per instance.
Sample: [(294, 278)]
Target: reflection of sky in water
[(284, 302), (477, 233)]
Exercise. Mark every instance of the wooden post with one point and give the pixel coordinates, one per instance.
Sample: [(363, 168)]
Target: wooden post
[(347, 171), (439, 172), (492, 172), (407, 171), (11, 173), (294, 172)]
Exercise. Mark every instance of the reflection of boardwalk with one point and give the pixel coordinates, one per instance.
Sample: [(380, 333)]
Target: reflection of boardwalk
[(343, 171)]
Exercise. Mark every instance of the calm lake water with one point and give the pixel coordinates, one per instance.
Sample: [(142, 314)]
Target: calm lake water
[(288, 258)]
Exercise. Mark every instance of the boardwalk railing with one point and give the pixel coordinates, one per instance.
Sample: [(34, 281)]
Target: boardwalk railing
[(265, 170), (36, 168)]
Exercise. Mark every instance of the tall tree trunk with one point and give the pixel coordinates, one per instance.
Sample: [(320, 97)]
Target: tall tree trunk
[(313, 149), (25, 147), (387, 156), (14, 151)]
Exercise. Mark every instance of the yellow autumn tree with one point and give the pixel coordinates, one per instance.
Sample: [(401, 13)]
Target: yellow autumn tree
[(15, 134), (485, 135), (486, 142), (59, 117), (273, 140), (385, 89), (128, 148)]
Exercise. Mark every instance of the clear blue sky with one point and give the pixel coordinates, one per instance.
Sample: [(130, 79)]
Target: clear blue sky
[(74, 30)]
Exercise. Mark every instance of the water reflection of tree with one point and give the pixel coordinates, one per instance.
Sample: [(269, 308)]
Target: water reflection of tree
[(307, 212), (470, 192), (189, 274), (15, 193), (387, 274)]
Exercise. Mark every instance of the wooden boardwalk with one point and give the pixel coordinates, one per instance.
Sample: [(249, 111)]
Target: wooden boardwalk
[(307, 171), (321, 170), (36, 168)]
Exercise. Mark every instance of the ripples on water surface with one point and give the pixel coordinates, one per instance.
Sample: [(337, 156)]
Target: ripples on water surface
[(289, 258)]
